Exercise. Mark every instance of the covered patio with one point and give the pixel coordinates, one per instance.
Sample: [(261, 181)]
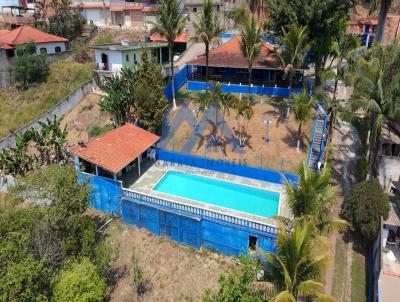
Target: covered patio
[(121, 154)]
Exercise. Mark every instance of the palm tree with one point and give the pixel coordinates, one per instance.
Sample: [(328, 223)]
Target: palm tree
[(244, 113), (207, 29), (302, 107), (295, 270), (17, 161), (383, 12), (251, 42), (171, 23), (226, 103), (377, 92), (312, 199), (295, 46)]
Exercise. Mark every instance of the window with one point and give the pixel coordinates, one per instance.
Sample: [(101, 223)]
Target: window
[(195, 9), (134, 58), (252, 243), (57, 49), (43, 50), (127, 58)]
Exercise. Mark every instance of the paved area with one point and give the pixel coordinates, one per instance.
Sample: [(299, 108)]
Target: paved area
[(153, 175)]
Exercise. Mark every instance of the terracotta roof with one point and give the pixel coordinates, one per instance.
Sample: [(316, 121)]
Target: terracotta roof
[(4, 31), (183, 38), (229, 54), (24, 34), (115, 149)]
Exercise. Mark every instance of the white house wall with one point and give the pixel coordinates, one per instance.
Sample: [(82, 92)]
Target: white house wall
[(98, 16), (50, 47), (114, 59), (389, 170)]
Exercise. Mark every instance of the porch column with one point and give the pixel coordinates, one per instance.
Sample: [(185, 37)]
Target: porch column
[(139, 159), (77, 163), (115, 176), (97, 170), (160, 55)]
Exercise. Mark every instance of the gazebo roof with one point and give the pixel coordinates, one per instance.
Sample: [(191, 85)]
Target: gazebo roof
[(115, 149)]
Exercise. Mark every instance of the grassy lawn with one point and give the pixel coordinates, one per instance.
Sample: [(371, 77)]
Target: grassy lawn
[(358, 289), (340, 263), (20, 107)]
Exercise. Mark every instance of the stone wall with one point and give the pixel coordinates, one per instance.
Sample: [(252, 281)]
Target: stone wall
[(5, 70)]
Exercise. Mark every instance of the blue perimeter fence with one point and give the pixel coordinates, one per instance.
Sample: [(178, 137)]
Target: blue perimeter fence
[(182, 77), (225, 167)]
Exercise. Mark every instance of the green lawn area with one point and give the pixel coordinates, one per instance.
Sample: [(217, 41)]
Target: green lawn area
[(20, 107), (358, 290), (340, 263)]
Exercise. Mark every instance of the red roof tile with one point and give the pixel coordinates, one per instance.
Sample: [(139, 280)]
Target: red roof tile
[(115, 149), (183, 38), (229, 54), (4, 31), (24, 34)]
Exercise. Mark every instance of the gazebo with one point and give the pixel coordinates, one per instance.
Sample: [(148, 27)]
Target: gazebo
[(115, 153)]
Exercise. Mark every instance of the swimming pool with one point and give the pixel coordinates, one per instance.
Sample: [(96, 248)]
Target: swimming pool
[(221, 193)]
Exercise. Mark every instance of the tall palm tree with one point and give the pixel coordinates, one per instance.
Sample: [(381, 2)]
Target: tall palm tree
[(384, 6), (251, 42), (244, 113), (313, 198), (295, 269), (377, 91), (302, 107), (295, 45), (207, 29), (171, 23)]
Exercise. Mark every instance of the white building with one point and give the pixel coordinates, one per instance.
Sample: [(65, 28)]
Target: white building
[(111, 57)]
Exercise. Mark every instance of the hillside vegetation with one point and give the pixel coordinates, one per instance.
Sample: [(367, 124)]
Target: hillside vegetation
[(20, 107)]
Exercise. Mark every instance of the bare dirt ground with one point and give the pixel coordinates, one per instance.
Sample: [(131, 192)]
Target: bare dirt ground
[(171, 272), (279, 153), (86, 114)]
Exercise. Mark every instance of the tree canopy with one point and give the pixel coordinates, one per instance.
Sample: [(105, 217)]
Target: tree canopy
[(364, 207)]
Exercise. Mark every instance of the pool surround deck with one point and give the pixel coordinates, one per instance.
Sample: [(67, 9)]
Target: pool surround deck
[(156, 172)]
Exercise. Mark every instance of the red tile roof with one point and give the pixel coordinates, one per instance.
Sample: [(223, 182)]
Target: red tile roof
[(4, 31), (24, 34), (183, 38), (115, 149), (229, 54)]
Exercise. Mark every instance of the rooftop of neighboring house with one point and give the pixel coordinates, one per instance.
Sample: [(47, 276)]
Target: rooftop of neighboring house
[(24, 34), (230, 55), (117, 148), (181, 38), (4, 31), (129, 45)]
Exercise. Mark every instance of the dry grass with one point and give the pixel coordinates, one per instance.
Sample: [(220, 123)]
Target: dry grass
[(171, 272), (80, 119), (20, 107)]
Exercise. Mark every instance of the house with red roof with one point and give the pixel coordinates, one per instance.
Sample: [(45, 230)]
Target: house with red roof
[(45, 43), (228, 65)]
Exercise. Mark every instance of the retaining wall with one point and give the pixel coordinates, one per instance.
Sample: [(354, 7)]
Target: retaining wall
[(62, 107)]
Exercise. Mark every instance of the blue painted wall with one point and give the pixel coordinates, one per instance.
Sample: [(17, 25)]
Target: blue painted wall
[(235, 88), (193, 231), (225, 167), (180, 79), (105, 194)]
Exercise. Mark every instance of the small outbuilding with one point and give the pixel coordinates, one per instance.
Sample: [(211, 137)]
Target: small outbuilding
[(117, 153)]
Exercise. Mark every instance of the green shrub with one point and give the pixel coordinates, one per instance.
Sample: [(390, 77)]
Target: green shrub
[(96, 130), (104, 38), (364, 206), (66, 23), (81, 51)]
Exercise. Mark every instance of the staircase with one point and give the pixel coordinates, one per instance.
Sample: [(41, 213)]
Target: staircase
[(317, 143)]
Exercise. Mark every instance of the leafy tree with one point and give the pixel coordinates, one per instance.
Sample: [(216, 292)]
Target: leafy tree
[(295, 271), (324, 19), (171, 23), (66, 23), (207, 29), (295, 46), (27, 67), (234, 287), (364, 207), (16, 161), (251, 43), (384, 6), (119, 101), (313, 198), (302, 108), (149, 93), (376, 90), (79, 281), (81, 51)]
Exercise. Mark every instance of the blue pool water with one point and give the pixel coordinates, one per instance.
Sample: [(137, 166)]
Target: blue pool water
[(220, 193)]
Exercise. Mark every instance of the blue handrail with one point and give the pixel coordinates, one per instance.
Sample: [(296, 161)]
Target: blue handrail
[(321, 148), (312, 141)]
